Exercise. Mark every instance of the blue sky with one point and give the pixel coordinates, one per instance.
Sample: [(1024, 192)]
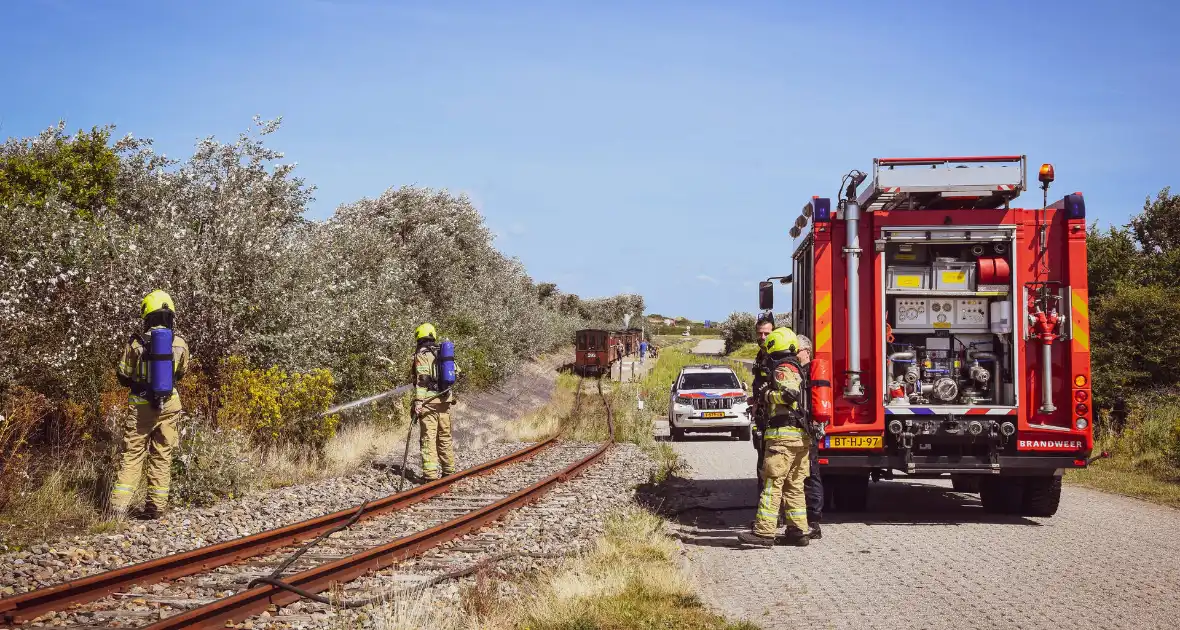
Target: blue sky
[(700, 128)]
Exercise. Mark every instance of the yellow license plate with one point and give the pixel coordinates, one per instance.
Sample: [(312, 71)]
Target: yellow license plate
[(713, 414), (854, 441)]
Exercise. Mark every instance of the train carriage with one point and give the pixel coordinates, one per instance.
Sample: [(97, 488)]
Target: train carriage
[(595, 351)]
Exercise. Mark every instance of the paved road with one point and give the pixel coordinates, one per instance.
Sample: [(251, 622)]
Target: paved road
[(927, 557), (710, 346)]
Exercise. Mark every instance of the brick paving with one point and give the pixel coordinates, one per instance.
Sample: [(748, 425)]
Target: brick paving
[(924, 556)]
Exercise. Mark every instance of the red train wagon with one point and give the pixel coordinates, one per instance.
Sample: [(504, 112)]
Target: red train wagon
[(594, 351)]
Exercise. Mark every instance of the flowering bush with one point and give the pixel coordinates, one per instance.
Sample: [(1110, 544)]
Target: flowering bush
[(274, 407), (305, 312)]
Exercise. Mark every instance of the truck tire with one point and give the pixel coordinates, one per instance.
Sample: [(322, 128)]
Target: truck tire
[(1042, 495), (966, 483), (744, 434), (677, 434), (1002, 495)]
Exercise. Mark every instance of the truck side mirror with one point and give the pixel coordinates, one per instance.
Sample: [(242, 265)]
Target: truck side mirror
[(766, 295)]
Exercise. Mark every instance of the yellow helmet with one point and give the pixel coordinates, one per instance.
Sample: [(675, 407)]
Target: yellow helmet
[(779, 340), (424, 331), (155, 301)]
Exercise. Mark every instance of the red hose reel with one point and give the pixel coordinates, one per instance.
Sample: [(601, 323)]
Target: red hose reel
[(994, 270)]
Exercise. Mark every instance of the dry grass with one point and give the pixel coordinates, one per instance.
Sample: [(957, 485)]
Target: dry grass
[(58, 505), (352, 448), (1117, 478), (550, 419), (631, 579), (399, 611), (71, 497)]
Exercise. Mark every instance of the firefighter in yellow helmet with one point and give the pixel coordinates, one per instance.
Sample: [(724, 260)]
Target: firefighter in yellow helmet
[(786, 440), (152, 432), (431, 407)]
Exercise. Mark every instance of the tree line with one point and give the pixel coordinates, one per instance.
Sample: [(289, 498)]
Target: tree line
[(91, 222)]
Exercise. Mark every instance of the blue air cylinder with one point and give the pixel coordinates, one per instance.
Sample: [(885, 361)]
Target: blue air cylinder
[(160, 363), (446, 364)]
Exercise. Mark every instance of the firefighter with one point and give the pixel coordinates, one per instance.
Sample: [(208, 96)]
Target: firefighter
[(786, 464), (152, 432), (431, 407), (813, 486), (764, 326)]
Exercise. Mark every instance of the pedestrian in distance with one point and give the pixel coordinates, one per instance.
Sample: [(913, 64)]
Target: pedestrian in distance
[(785, 441), (642, 351), (431, 406), (150, 366)]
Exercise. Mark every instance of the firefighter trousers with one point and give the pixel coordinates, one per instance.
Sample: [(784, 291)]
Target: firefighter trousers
[(813, 488), (784, 470), (434, 426), (150, 435)]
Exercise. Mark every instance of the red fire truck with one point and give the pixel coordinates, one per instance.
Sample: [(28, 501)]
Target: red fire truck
[(955, 328)]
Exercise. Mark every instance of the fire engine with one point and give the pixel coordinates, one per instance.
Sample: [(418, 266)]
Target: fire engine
[(955, 328)]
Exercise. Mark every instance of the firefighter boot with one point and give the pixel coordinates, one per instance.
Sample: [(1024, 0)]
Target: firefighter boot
[(149, 512), (813, 530), (795, 537), (750, 538)]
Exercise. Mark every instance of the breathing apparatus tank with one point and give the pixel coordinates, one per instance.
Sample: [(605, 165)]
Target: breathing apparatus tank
[(821, 391), (159, 358), (446, 364)]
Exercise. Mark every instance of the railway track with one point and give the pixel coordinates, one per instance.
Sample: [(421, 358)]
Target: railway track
[(231, 581)]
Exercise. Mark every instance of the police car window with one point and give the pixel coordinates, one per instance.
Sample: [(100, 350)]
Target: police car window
[(709, 380)]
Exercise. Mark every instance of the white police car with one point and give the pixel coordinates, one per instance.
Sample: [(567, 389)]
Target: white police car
[(709, 398)]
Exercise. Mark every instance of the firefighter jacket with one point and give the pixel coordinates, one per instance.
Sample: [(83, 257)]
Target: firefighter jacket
[(132, 371), (782, 398), (424, 376)]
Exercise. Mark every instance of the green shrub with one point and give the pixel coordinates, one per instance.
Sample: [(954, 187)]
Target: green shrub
[(740, 328), (210, 464)]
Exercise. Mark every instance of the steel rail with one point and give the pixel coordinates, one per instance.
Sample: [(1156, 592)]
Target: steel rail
[(28, 606), (240, 606)]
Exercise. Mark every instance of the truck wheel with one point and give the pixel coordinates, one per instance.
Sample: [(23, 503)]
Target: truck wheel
[(744, 434), (1001, 495), (965, 483), (1041, 496)]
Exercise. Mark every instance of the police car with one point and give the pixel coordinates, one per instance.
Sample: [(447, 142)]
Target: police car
[(708, 398)]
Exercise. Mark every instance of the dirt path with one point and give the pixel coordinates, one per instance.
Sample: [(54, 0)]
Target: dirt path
[(924, 556)]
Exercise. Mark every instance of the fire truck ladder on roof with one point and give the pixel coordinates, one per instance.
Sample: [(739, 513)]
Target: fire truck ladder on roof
[(944, 183)]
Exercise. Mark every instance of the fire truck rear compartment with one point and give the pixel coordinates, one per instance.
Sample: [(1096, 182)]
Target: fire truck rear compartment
[(949, 364), (949, 324)]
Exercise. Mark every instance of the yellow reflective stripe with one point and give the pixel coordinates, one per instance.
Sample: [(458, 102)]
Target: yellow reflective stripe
[(796, 513), (1081, 320), (823, 321), (776, 432), (159, 490), (121, 488)]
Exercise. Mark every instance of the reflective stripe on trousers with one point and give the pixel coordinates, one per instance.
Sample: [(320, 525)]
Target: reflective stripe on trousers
[(785, 468), (434, 440), (150, 435)]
